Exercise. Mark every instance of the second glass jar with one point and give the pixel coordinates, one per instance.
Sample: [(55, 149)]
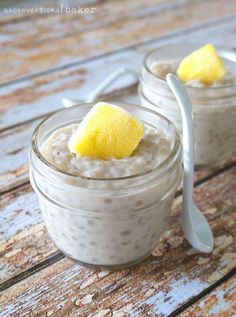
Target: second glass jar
[(214, 107)]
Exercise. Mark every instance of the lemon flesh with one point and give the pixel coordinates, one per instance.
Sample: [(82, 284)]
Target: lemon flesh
[(107, 131)]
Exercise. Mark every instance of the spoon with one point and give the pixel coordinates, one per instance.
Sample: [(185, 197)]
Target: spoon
[(195, 226), (102, 86)]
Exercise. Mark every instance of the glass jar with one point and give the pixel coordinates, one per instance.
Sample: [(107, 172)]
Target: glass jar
[(214, 107), (111, 223)]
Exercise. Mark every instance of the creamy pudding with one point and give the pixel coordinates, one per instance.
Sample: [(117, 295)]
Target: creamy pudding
[(108, 213), (214, 105), (152, 151)]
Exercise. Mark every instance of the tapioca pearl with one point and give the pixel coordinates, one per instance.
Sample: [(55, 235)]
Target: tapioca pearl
[(163, 142), (97, 210), (221, 153), (88, 232), (125, 242), (81, 245), (110, 210), (107, 247), (164, 151), (140, 160), (94, 260), (98, 232), (138, 203), (75, 237), (221, 143), (116, 172), (112, 256), (90, 173), (63, 234), (126, 233), (133, 170), (93, 243), (80, 227), (142, 221), (108, 200), (161, 70), (91, 223)]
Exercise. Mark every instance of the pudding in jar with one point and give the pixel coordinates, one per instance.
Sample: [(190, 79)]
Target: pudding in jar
[(106, 183), (213, 95)]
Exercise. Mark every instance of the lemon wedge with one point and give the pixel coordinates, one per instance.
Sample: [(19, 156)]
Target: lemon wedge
[(107, 131), (203, 64)]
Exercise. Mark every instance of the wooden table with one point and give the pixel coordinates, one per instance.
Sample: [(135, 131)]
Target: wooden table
[(45, 57)]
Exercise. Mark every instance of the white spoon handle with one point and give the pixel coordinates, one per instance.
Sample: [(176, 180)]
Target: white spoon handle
[(102, 86), (109, 80), (188, 137)]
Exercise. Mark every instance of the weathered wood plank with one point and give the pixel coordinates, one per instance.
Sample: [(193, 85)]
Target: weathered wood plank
[(23, 238), (53, 26), (14, 155), (35, 97), (174, 274), (50, 54), (219, 303)]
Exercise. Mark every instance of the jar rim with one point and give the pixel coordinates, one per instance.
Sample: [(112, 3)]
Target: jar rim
[(220, 49), (167, 162)]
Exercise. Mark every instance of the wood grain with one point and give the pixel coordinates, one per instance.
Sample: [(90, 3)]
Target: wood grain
[(53, 54), (219, 303), (14, 157), (53, 26), (38, 96), (173, 275)]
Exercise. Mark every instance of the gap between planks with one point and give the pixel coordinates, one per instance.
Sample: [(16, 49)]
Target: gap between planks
[(34, 269), (220, 301), (59, 255), (206, 291)]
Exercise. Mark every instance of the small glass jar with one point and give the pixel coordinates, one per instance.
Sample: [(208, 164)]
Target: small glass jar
[(112, 223), (214, 107)]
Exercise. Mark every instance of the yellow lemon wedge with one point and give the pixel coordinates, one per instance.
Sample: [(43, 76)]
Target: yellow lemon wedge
[(107, 131), (203, 64)]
